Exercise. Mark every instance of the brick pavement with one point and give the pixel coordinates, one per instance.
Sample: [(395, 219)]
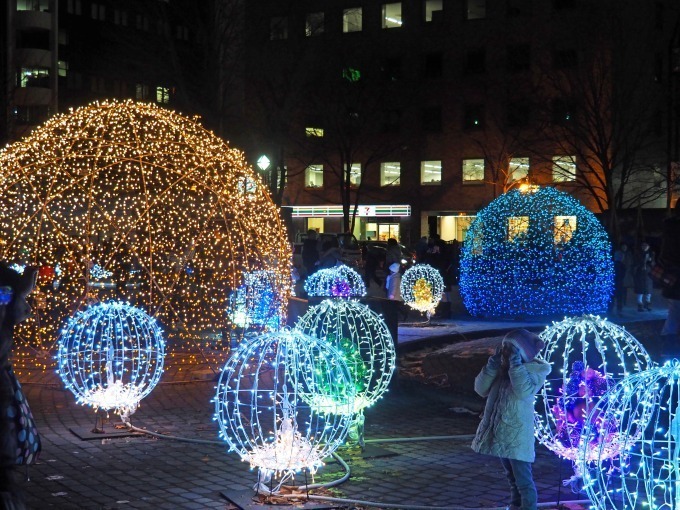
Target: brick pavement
[(143, 472)]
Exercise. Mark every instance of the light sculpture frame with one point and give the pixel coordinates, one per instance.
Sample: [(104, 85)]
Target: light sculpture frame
[(261, 402), (643, 413), (536, 251), (111, 356), (256, 302), (422, 287), (117, 183), (589, 355), (339, 281), (365, 342)]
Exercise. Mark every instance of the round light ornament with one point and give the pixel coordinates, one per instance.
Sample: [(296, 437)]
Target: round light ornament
[(536, 251), (422, 287), (110, 356), (362, 338), (135, 202), (589, 355), (256, 302), (339, 281), (640, 417), (262, 402)]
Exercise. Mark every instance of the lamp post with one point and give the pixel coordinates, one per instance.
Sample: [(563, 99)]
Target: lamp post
[(263, 163)]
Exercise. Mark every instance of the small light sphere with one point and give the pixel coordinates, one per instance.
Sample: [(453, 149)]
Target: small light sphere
[(422, 287), (338, 281), (589, 355), (363, 339), (533, 252), (261, 403), (256, 303), (110, 356), (640, 418)]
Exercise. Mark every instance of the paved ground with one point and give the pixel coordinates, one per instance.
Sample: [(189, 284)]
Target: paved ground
[(146, 472)]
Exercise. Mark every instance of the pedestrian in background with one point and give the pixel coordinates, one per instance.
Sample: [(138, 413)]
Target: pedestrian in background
[(623, 275), (310, 251), (393, 288), (509, 381), (330, 256), (643, 262), (393, 252), (421, 249), (670, 260)]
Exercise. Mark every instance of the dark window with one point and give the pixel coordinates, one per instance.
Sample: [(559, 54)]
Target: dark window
[(31, 114), (33, 39), (516, 8), (658, 67), (658, 15), (559, 5), (432, 119), (473, 118), (391, 121), (434, 65), (519, 58), (561, 111), (278, 28), (565, 59), (390, 69), (475, 61), (518, 114)]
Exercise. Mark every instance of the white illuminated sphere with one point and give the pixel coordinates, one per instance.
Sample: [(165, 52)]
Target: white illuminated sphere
[(362, 337), (422, 287), (338, 281), (261, 402), (641, 418), (111, 356), (589, 355)]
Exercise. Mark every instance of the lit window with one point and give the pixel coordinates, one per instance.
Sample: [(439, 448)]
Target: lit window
[(430, 172), (517, 228), (314, 176), (564, 228), (33, 5), (162, 95), (141, 91), (355, 174), (433, 9), (564, 168), (473, 170), (352, 20), (63, 68), (391, 15), (518, 169), (314, 24), (476, 9), (314, 132), (390, 174), (34, 77), (278, 28)]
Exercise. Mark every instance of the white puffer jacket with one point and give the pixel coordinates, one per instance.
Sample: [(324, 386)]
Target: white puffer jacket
[(507, 426)]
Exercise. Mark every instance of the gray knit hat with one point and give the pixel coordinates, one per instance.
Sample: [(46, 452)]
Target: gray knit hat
[(528, 343)]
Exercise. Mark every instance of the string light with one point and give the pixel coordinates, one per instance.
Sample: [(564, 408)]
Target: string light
[(589, 355), (111, 356), (338, 281), (640, 417), (256, 302), (154, 198), (537, 252), (261, 402), (363, 339), (422, 287)]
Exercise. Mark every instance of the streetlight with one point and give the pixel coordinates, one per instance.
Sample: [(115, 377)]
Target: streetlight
[(263, 163)]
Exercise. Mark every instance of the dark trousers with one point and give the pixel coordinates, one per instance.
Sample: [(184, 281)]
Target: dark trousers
[(522, 489)]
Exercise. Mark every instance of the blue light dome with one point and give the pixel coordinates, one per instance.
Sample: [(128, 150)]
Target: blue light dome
[(536, 251)]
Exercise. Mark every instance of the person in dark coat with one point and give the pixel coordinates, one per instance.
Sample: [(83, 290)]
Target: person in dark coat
[(330, 256), (310, 251), (643, 262), (623, 275), (19, 439), (670, 260), (393, 254)]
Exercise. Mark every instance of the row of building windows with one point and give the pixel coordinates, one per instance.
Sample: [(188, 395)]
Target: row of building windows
[(563, 170), (391, 16), (120, 17)]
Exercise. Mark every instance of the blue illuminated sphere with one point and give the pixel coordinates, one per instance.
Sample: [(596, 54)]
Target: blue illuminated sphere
[(533, 252), (257, 302), (111, 356)]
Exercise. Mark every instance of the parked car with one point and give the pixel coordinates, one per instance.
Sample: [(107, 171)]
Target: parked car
[(378, 249), (349, 249)]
